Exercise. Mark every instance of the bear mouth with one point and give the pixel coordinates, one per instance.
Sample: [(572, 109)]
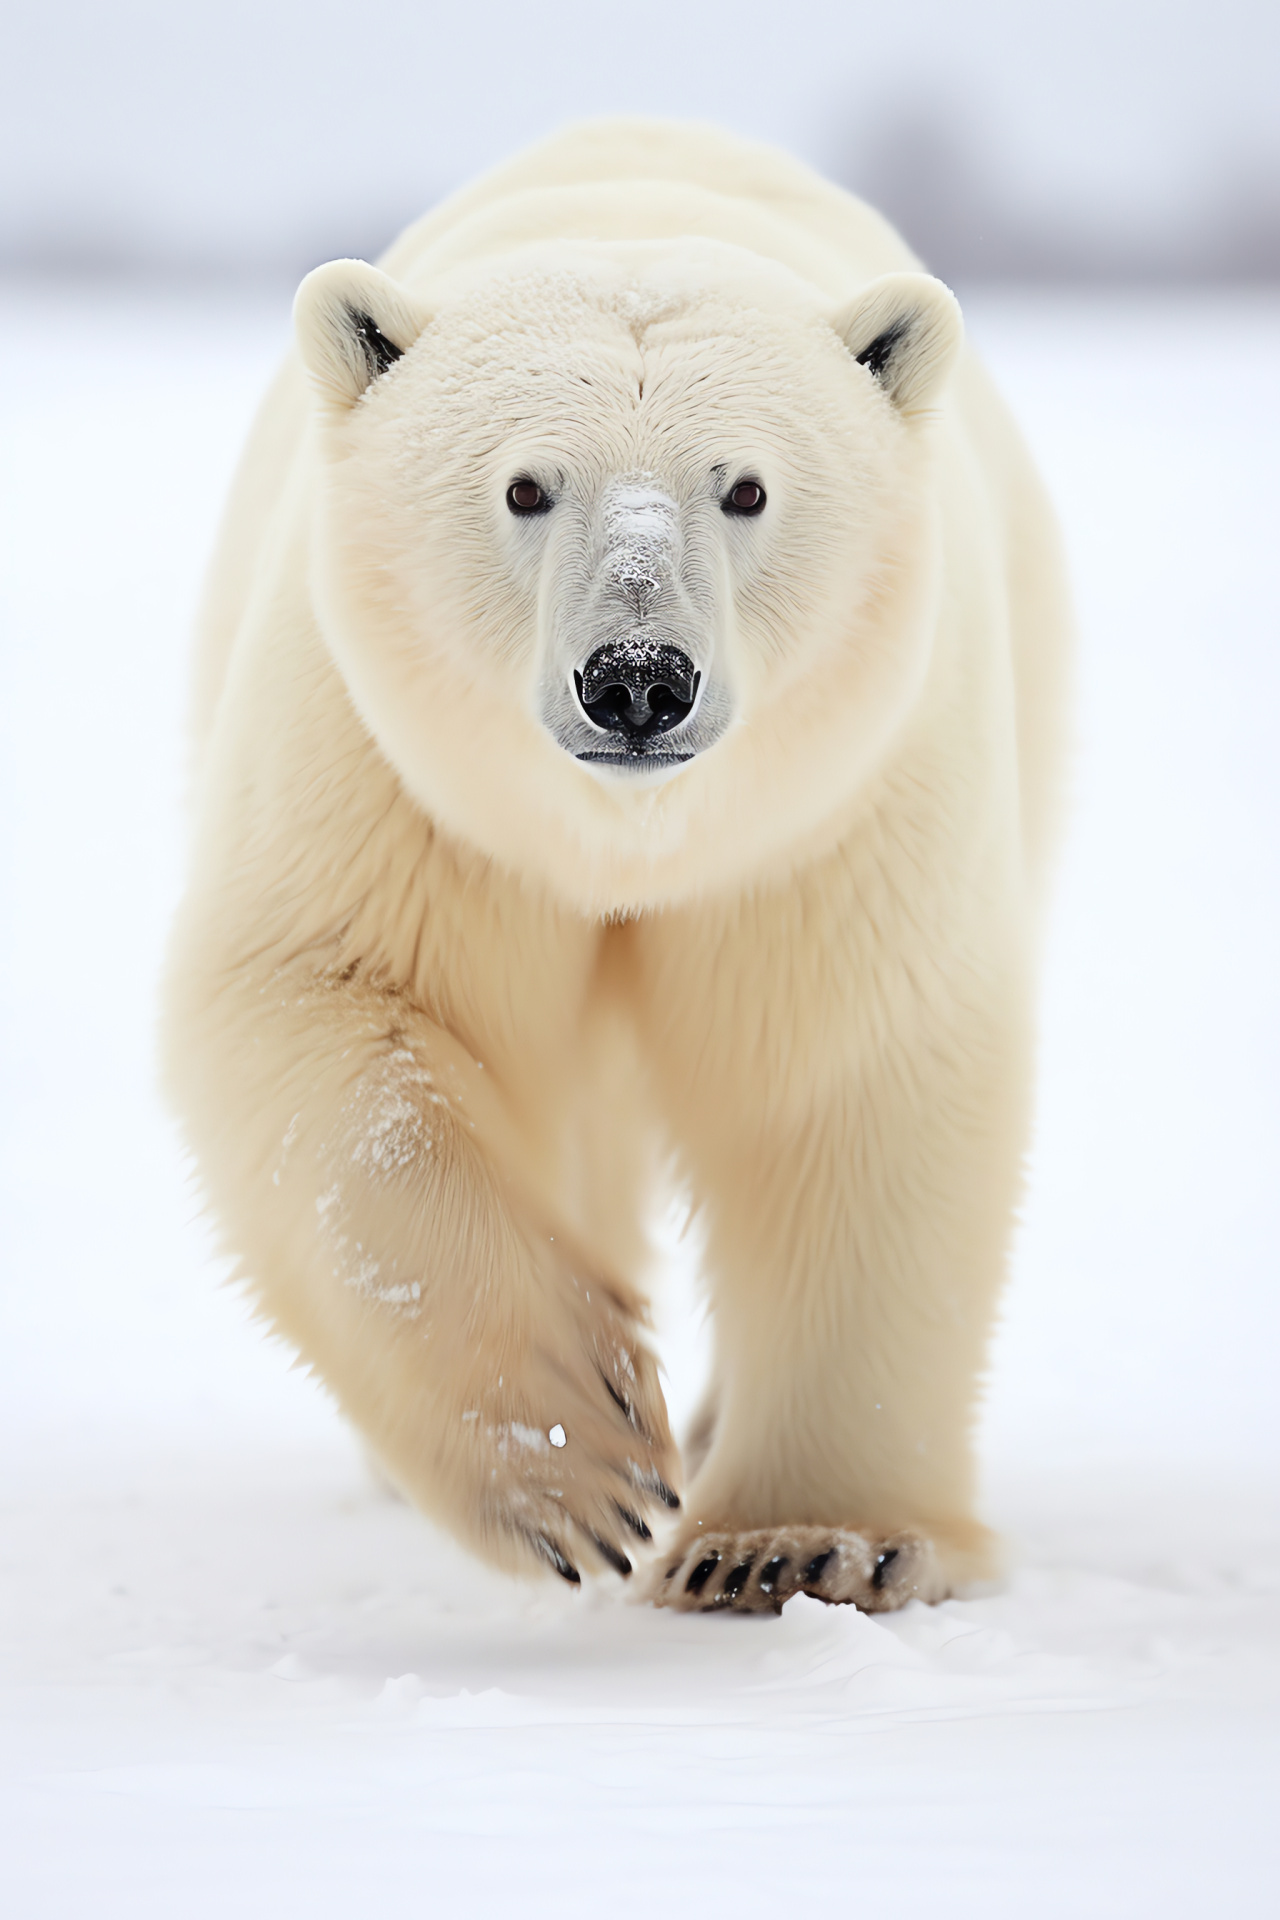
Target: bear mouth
[(637, 759)]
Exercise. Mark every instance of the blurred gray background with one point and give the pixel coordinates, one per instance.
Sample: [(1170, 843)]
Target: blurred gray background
[(1120, 141)]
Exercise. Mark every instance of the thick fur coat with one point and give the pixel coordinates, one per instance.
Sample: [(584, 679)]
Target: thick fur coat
[(628, 713)]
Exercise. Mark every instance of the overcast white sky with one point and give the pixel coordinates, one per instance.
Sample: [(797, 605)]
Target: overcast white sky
[(1115, 136)]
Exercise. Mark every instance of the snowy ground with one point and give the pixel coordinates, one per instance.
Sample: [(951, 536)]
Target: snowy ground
[(234, 1677)]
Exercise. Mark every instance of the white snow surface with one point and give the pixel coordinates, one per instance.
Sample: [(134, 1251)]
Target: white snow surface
[(236, 1676)]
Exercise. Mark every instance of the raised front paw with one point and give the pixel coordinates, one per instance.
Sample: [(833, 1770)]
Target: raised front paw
[(758, 1572), (572, 1448)]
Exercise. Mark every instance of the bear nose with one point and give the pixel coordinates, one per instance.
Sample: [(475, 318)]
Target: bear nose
[(637, 687)]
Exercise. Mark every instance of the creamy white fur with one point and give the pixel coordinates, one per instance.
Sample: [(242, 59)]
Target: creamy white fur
[(442, 998)]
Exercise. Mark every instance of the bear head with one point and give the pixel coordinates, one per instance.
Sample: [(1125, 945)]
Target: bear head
[(626, 551)]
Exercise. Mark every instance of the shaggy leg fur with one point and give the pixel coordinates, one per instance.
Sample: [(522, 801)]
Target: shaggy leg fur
[(853, 1135), (371, 1178)]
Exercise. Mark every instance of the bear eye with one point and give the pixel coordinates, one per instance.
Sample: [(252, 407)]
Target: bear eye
[(748, 497), (526, 496)]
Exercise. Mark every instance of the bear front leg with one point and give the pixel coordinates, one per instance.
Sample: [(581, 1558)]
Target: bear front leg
[(857, 1224), (378, 1198)]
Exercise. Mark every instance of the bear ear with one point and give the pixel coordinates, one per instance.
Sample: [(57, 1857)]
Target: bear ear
[(906, 330), (352, 323)]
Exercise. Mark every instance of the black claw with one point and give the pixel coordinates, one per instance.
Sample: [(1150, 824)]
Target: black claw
[(702, 1573), (618, 1561), (813, 1572), (771, 1573), (884, 1562), (619, 1400), (651, 1483), (737, 1580), (633, 1521), (551, 1553), (625, 1408)]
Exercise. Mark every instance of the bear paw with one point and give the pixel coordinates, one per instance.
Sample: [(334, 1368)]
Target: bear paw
[(573, 1453), (759, 1572)]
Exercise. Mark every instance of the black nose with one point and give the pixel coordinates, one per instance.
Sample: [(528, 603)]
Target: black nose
[(637, 687)]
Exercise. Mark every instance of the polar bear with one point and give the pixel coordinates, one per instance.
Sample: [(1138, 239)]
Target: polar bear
[(628, 720)]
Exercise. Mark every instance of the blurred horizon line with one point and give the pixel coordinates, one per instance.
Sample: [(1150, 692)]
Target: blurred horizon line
[(962, 233)]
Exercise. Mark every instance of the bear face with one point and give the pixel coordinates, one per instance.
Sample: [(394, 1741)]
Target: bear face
[(625, 561)]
